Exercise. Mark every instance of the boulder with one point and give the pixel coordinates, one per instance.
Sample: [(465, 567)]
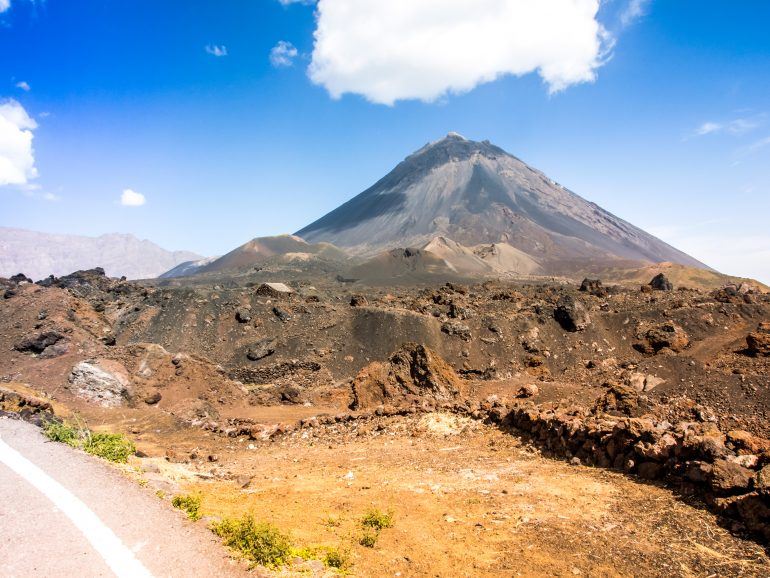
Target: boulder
[(642, 382), (104, 382), (39, 342), (529, 390), (666, 336), (456, 328), (593, 287), (243, 315), (661, 283), (281, 314), (571, 314), (261, 349), (358, 301), (758, 342), (728, 477), (276, 290)]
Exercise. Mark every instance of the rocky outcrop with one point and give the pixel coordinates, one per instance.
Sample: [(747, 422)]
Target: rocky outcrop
[(696, 456), (412, 373), (103, 382)]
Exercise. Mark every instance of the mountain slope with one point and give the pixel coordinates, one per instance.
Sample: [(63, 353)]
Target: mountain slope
[(475, 193), (38, 255)]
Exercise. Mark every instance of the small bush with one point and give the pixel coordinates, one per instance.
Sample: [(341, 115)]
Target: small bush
[(190, 504), (59, 431), (377, 519), (337, 558), (261, 543), (110, 446), (369, 539), (332, 557)]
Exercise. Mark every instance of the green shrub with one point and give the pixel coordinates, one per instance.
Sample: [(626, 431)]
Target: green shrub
[(190, 504), (337, 558), (110, 446), (332, 557), (59, 431), (259, 542), (369, 538), (377, 519)]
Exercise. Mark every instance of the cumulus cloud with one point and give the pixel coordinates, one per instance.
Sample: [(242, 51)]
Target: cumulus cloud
[(216, 50), (403, 49), (23, 85), (17, 157), (131, 198), (4, 5), (283, 54)]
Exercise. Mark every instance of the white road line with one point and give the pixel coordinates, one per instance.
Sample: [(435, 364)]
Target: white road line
[(117, 556)]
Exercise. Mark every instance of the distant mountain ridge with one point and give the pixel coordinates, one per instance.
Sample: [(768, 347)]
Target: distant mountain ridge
[(475, 193), (39, 255)]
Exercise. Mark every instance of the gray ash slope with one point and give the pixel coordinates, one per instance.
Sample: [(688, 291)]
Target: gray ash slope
[(476, 193)]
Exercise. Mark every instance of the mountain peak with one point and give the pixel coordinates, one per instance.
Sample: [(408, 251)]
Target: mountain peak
[(476, 193)]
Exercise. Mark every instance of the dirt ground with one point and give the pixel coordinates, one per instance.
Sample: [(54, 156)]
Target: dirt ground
[(468, 500)]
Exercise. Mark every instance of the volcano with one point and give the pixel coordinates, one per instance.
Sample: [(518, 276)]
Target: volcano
[(475, 193)]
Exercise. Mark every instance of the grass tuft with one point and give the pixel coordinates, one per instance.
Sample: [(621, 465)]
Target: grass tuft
[(190, 504), (377, 519), (62, 432), (110, 446), (369, 538), (259, 542)]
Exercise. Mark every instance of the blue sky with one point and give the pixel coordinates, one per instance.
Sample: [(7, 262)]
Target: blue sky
[(229, 121)]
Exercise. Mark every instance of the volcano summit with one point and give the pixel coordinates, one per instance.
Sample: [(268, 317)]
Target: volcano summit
[(475, 193)]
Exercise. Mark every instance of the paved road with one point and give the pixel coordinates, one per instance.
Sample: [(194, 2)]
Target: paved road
[(66, 513)]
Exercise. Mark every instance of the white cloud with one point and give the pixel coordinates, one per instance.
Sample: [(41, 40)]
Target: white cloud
[(23, 85), (633, 11), (17, 157), (283, 54), (404, 49), (131, 198), (4, 5), (735, 127), (216, 50)]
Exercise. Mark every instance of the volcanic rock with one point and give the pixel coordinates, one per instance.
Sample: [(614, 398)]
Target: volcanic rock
[(39, 342), (593, 287), (666, 336), (456, 328), (243, 315), (261, 349), (412, 373), (103, 382), (571, 314), (661, 283), (758, 342)]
